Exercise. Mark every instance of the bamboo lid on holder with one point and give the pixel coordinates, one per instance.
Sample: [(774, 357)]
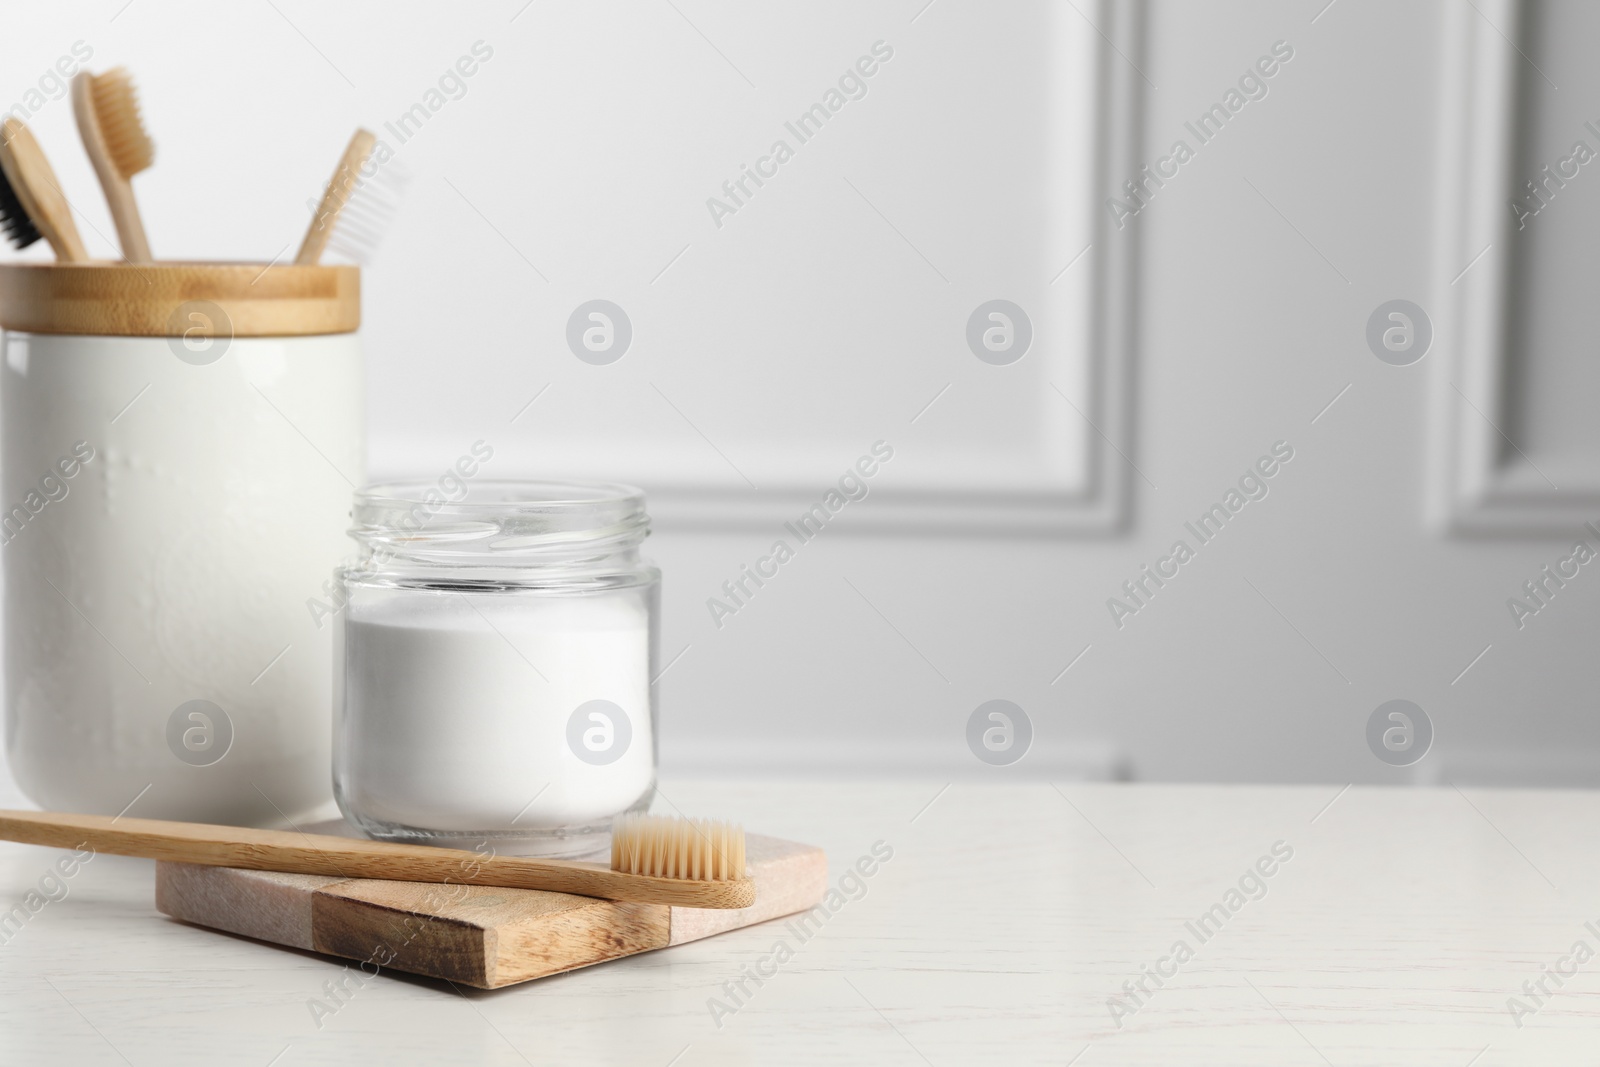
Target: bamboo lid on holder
[(159, 299)]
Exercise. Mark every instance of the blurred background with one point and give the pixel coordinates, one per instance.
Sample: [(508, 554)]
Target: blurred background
[(1163, 319)]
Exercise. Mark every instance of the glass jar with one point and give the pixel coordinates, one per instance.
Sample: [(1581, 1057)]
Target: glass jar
[(495, 657)]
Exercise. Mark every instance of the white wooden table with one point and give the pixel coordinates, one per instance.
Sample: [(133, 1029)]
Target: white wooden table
[(1007, 919)]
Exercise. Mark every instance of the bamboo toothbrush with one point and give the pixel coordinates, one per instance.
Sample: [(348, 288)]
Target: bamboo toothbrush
[(31, 201), (343, 184), (655, 860), (114, 136)]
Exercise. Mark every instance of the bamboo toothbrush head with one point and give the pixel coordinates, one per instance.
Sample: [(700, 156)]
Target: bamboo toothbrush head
[(666, 846), (369, 213), (357, 207), (31, 202), (341, 187), (116, 109)]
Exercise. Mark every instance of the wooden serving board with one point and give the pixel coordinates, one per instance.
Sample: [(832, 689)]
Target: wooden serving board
[(480, 936)]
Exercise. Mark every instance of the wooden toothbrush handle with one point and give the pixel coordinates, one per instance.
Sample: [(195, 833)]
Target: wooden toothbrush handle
[(119, 194), (297, 853), (125, 213)]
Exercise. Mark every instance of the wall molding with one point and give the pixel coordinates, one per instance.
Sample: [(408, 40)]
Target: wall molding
[(1481, 484), (1046, 491), (1102, 507)]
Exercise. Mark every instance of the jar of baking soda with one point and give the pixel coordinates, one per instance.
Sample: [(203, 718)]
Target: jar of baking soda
[(496, 652)]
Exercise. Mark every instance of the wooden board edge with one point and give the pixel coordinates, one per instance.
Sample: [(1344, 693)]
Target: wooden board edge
[(266, 905)]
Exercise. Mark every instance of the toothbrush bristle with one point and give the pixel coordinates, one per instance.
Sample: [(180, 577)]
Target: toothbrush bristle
[(666, 846), (367, 216), (116, 109), (14, 219)]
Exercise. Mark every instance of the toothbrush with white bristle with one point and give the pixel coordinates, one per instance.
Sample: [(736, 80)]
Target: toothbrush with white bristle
[(357, 206)]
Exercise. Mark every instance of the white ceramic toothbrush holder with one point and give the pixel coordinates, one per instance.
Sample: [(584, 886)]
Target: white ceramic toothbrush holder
[(180, 442)]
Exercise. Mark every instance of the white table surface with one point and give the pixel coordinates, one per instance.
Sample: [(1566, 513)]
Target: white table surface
[(1008, 916)]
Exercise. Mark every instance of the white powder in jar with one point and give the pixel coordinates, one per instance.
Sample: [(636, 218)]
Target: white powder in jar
[(454, 709)]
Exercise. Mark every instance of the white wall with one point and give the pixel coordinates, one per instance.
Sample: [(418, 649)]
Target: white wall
[(1256, 269), (1246, 332)]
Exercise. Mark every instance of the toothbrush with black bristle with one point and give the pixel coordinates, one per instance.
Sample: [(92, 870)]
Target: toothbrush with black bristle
[(31, 202)]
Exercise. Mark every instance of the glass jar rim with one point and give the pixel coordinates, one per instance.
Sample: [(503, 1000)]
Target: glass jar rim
[(499, 519), (507, 495)]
